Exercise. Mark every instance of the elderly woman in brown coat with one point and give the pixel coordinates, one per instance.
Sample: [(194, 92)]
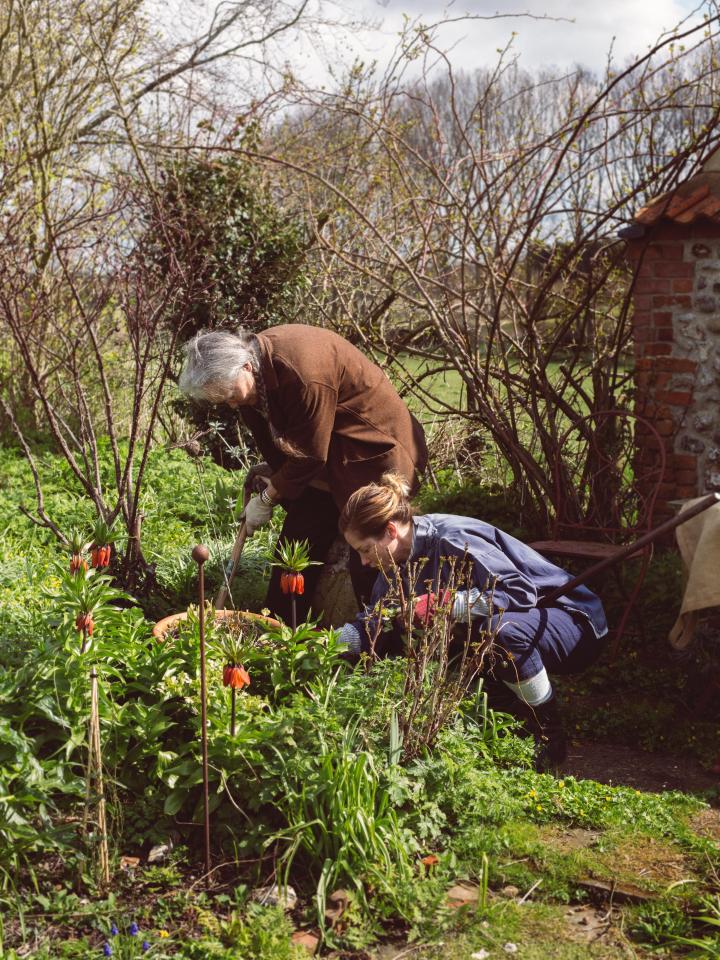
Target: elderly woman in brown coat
[(325, 418)]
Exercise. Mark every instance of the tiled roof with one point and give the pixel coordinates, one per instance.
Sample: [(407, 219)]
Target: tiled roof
[(698, 197)]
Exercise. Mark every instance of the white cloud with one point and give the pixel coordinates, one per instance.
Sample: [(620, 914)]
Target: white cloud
[(584, 33)]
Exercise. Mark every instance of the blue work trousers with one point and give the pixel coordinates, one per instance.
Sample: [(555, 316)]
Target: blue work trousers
[(547, 637)]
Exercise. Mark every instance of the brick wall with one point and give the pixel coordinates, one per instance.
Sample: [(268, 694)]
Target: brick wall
[(676, 328)]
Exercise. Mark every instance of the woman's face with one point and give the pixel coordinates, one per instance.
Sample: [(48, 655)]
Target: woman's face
[(377, 552), (240, 393)]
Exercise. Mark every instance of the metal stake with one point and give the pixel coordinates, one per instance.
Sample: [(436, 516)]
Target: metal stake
[(200, 555)]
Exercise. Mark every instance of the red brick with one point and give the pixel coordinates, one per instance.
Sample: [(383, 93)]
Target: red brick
[(677, 398), (678, 365), (684, 460), (666, 428), (645, 363), (686, 476), (641, 318), (642, 301), (666, 491), (677, 269), (666, 251), (658, 349), (653, 285), (676, 301), (665, 334), (662, 318), (686, 491), (644, 334), (683, 285)]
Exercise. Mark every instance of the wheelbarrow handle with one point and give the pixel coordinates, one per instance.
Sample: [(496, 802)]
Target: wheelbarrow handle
[(709, 501)]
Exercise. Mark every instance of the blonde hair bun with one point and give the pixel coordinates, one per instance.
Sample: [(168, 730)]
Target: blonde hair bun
[(370, 509), (397, 483)]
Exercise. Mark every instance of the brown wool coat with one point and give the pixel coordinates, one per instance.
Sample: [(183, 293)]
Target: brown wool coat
[(335, 407)]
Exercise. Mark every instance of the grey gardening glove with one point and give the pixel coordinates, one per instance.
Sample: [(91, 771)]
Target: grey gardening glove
[(256, 477), (469, 602), (349, 638), (257, 514)]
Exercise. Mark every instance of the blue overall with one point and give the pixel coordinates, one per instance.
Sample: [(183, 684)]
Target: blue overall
[(564, 638)]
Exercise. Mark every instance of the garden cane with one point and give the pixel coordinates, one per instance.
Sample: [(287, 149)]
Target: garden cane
[(200, 555), (224, 591)]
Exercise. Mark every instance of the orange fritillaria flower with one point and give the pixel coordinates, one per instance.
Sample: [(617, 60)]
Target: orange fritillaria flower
[(292, 583), (77, 563), (239, 678)]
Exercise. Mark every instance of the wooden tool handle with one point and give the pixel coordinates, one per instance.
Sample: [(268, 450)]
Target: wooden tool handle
[(221, 598)]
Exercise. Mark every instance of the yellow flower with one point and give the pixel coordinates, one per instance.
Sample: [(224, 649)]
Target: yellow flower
[(561, 784), (539, 806), (533, 794), (162, 934)]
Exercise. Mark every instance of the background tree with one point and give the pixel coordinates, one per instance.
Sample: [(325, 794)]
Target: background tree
[(473, 228), (84, 307)]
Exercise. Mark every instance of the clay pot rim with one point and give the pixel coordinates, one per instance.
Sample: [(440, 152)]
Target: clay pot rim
[(162, 627)]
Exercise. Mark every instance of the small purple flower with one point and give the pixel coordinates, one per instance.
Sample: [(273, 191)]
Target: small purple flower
[(107, 950), (114, 930), (134, 929), (145, 946)]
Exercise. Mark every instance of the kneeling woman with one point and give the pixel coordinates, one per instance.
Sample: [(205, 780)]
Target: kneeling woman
[(506, 581)]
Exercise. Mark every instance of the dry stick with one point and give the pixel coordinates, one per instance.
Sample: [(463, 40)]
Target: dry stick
[(200, 555)]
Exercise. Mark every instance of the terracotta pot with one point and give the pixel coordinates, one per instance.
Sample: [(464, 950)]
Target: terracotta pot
[(167, 623)]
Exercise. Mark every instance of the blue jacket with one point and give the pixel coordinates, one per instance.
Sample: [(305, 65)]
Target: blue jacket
[(500, 566)]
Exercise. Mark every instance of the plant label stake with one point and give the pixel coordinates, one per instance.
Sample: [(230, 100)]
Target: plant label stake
[(94, 773), (200, 555)]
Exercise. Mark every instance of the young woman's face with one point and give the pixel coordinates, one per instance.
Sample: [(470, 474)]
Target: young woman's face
[(376, 552)]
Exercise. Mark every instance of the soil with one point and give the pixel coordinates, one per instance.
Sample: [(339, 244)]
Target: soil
[(619, 765)]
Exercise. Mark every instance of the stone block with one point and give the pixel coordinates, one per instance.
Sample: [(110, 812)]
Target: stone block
[(712, 480), (705, 303), (700, 250), (692, 444), (703, 422)]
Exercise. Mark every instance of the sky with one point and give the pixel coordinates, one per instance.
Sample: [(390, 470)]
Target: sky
[(583, 32)]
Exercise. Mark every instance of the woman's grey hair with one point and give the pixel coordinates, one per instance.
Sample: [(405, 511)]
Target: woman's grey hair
[(213, 361)]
